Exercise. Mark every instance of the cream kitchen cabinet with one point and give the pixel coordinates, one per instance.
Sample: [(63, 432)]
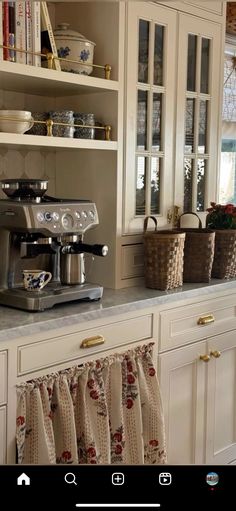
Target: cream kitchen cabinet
[(173, 109), (38, 355), (198, 384)]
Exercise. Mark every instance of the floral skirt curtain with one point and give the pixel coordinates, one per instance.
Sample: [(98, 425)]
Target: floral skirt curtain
[(106, 411)]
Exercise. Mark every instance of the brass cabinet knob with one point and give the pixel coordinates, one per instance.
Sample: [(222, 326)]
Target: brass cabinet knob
[(92, 341), (205, 358), (205, 320), (215, 353)]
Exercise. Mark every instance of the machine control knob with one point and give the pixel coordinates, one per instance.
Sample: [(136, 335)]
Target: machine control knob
[(84, 214), (55, 216), (40, 216), (48, 216), (91, 214), (77, 214)]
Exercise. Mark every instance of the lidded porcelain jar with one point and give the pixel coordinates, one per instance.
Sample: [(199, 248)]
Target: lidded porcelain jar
[(73, 45)]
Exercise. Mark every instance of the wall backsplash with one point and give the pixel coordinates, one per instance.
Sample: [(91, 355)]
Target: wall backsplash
[(28, 164), (24, 163)]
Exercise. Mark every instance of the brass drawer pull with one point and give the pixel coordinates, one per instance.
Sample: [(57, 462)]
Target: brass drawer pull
[(215, 353), (205, 358), (92, 341), (205, 320)]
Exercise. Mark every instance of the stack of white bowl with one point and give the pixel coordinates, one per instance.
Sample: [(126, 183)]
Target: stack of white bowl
[(15, 121)]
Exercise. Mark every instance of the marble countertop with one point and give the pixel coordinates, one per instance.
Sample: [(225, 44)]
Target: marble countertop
[(16, 323)]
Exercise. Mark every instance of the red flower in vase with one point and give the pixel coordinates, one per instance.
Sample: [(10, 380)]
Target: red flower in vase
[(221, 216)]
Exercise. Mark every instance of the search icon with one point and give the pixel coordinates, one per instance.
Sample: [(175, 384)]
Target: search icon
[(70, 478)]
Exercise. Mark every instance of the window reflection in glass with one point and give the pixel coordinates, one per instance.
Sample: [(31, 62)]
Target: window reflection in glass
[(202, 131), (143, 51), (227, 189), (189, 125), (191, 66), (155, 186), (141, 163), (205, 55), (158, 55), (188, 184), (142, 120), (201, 182), (156, 122)]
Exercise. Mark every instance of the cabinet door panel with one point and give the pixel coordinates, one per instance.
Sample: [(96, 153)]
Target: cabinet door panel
[(198, 112), (150, 103), (182, 377), (2, 435), (221, 402)]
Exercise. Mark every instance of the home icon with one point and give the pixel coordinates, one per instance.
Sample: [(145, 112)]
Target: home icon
[(23, 480)]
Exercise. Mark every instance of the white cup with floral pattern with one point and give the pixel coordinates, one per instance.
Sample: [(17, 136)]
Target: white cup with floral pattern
[(35, 280)]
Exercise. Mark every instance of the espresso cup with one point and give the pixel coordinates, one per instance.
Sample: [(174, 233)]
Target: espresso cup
[(35, 280)]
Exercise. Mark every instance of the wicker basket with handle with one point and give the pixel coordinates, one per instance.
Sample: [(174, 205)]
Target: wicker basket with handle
[(198, 251), (224, 264), (163, 257)]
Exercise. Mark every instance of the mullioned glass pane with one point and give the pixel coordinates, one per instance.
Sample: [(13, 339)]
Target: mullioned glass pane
[(158, 55), (191, 64), (155, 186), (143, 51), (141, 185), (142, 120)]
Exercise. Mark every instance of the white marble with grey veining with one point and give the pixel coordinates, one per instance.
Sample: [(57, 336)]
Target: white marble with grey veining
[(15, 323)]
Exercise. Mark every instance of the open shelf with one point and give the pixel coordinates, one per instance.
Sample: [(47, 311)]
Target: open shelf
[(37, 80), (15, 141)]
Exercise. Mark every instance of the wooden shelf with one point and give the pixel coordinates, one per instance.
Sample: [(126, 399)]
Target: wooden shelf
[(34, 142), (36, 80)]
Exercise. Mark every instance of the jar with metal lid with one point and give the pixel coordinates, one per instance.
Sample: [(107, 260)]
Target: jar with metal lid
[(73, 45)]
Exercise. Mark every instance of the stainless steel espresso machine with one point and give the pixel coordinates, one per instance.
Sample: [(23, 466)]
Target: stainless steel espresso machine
[(42, 232)]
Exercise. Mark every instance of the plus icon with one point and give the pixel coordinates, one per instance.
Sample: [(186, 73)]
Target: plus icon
[(117, 478)]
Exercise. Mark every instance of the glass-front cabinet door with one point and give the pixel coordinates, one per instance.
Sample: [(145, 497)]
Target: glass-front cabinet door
[(150, 107), (198, 113)]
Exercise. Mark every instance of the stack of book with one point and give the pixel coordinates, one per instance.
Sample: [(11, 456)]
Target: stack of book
[(26, 26)]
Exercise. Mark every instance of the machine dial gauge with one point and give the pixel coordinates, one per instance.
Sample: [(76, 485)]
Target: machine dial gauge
[(48, 216), (40, 216), (55, 216), (67, 222)]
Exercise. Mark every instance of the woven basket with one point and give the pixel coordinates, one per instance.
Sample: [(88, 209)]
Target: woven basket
[(198, 252), (163, 257), (231, 18), (224, 264)]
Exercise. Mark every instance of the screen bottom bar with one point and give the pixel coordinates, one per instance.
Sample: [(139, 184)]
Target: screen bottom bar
[(119, 505)]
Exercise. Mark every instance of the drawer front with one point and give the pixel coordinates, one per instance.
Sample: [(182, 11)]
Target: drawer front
[(183, 325), (3, 435), (68, 347), (3, 377)]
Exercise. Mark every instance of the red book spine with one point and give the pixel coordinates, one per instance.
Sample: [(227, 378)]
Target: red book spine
[(5, 30)]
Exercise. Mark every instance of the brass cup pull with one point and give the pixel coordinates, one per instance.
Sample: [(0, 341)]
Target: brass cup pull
[(205, 320), (215, 353), (90, 342), (205, 358)]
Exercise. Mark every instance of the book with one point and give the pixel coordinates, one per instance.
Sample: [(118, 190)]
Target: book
[(20, 33), (11, 36), (36, 25), (29, 32), (47, 37), (5, 29), (1, 31)]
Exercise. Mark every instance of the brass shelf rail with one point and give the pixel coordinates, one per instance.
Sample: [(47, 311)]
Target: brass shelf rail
[(50, 57), (50, 123)]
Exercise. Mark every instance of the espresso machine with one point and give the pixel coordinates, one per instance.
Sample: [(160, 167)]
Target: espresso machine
[(38, 231)]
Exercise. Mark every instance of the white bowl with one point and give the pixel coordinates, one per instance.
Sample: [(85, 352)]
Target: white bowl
[(13, 126), (16, 114)]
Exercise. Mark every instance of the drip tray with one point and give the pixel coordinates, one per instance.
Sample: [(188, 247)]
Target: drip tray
[(51, 295)]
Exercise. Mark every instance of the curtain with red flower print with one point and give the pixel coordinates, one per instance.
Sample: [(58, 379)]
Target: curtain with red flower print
[(107, 411)]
